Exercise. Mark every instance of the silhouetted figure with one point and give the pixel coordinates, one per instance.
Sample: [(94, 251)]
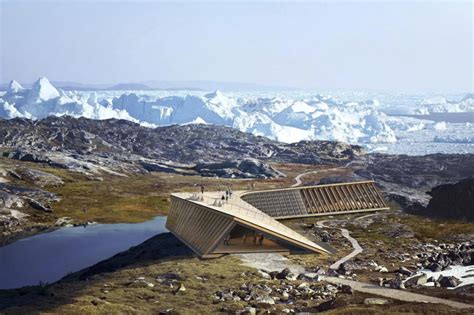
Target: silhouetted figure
[(227, 239), (244, 238), (202, 189), (260, 241), (254, 238)]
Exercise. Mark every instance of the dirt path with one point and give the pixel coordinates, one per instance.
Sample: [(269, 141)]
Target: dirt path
[(395, 294), (298, 177), (346, 233), (357, 248)]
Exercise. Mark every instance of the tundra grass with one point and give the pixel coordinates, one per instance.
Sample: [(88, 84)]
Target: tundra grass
[(135, 198)]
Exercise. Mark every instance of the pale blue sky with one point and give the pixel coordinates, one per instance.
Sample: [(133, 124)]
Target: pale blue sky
[(423, 46)]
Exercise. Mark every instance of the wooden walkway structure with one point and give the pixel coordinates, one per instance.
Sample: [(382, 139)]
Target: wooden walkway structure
[(247, 222), (341, 198)]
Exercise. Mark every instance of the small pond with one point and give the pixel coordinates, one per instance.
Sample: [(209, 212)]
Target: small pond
[(50, 256)]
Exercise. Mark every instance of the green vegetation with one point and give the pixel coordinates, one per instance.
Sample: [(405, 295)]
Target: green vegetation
[(113, 293), (439, 229), (107, 198)]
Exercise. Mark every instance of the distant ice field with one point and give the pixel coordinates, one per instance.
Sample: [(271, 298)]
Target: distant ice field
[(398, 123)]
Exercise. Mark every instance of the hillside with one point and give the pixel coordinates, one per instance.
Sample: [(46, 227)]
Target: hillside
[(87, 140)]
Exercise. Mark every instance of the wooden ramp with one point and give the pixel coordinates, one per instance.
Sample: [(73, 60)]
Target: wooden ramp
[(318, 200)]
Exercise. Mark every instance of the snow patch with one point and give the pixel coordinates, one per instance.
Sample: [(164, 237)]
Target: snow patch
[(464, 273)]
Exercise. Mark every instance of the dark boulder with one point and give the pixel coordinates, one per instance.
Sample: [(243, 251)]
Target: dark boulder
[(449, 282), (453, 201), (39, 206), (405, 271), (284, 274), (435, 267)]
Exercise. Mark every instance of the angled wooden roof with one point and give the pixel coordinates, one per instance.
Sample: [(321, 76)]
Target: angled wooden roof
[(201, 223)]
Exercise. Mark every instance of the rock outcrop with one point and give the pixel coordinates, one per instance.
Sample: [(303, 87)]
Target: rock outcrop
[(406, 179), (248, 168), (40, 178), (453, 201)]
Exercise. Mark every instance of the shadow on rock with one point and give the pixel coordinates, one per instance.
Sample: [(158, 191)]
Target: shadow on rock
[(161, 246), (44, 298)]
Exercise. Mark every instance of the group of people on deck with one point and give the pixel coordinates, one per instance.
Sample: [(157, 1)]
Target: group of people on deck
[(257, 238), (227, 195)]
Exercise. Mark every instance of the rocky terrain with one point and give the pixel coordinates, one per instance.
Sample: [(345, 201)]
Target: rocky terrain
[(162, 276), (407, 179), (22, 204), (403, 251), (124, 147)]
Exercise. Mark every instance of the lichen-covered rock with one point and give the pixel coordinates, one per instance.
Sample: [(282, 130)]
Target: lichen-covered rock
[(40, 178)]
